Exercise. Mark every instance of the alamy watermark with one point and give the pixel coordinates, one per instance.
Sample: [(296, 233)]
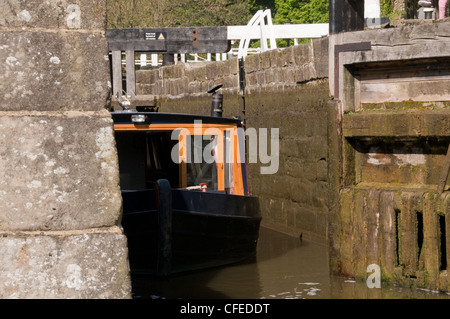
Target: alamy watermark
[(258, 146), (374, 279)]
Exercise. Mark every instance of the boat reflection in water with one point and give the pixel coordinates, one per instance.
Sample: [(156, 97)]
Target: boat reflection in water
[(186, 204)]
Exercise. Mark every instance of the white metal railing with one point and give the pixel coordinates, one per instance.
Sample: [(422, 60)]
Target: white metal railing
[(260, 27), (156, 59)]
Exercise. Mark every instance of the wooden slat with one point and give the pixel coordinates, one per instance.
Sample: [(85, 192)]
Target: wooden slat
[(399, 91), (117, 73), (130, 74)]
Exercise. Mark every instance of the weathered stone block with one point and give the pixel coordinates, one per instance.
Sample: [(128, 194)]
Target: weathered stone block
[(293, 167), (320, 50), (143, 77), (322, 170), (359, 235), (230, 84), (62, 14), (345, 233), (252, 63), (50, 71), (277, 213), (300, 191), (400, 123), (196, 73), (232, 65), (174, 71), (58, 172), (302, 54), (388, 257), (265, 60), (431, 240), (275, 58), (144, 89), (270, 76), (304, 218), (88, 264), (260, 79), (286, 57)]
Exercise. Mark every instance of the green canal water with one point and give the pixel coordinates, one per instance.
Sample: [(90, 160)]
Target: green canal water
[(283, 268)]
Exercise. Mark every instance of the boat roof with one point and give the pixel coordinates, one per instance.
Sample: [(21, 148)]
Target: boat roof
[(124, 117)]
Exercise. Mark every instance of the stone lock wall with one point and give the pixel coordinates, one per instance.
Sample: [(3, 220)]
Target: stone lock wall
[(392, 124), (285, 89), (60, 203)]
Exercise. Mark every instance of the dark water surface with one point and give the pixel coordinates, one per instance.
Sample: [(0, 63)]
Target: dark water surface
[(284, 268)]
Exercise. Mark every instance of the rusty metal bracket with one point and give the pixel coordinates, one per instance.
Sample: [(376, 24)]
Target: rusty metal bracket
[(347, 47)]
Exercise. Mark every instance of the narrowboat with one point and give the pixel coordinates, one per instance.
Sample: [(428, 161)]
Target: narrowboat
[(186, 201)]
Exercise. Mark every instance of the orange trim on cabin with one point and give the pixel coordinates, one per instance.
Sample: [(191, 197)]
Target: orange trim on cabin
[(170, 127), (206, 129)]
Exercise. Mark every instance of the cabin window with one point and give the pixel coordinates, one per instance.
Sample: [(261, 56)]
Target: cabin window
[(159, 163), (229, 152), (201, 164), (234, 156), (144, 157)]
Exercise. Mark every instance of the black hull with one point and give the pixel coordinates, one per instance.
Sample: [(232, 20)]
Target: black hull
[(204, 229)]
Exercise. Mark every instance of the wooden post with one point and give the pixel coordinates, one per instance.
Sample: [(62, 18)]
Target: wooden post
[(164, 202), (117, 73), (130, 73)]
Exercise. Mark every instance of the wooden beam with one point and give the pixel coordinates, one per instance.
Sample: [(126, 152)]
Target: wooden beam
[(170, 40)]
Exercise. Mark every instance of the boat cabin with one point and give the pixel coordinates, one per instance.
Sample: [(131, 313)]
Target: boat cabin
[(190, 151), (186, 204)]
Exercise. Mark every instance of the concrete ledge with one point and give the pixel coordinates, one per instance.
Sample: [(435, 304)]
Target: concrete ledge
[(64, 265), (401, 124)]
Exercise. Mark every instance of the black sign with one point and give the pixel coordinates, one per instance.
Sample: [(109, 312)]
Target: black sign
[(155, 35)]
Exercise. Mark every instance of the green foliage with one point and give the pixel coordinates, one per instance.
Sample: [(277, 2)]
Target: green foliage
[(186, 13), (301, 11), (191, 13), (388, 10), (180, 13), (255, 5), (210, 12)]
